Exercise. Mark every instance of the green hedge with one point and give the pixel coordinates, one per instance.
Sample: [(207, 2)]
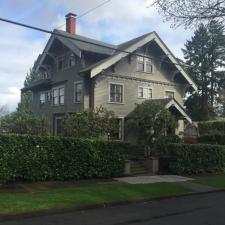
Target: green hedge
[(211, 128), (212, 139), (36, 158), (197, 158)]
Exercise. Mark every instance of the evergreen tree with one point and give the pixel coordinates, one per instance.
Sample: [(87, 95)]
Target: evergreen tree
[(30, 77), (205, 54)]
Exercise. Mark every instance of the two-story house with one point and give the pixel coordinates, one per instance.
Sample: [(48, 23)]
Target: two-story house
[(77, 72)]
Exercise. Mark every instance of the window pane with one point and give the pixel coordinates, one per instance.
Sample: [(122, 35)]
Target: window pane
[(78, 92), (140, 63), (48, 96), (148, 66), (61, 99), (42, 98), (55, 92), (72, 61), (55, 100), (140, 92), (61, 91)]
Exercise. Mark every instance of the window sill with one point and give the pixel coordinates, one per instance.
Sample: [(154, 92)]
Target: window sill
[(144, 98), (116, 103), (58, 105), (139, 71)]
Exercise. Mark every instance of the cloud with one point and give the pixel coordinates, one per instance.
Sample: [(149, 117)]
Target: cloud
[(115, 22)]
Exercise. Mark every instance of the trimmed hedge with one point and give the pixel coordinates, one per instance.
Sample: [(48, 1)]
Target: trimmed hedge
[(211, 128), (39, 158), (195, 159), (212, 139)]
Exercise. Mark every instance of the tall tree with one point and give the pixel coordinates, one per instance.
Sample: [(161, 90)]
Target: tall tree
[(205, 55), (3, 110), (191, 12)]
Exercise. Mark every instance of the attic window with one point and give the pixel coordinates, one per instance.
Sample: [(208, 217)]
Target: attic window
[(66, 61), (144, 64)]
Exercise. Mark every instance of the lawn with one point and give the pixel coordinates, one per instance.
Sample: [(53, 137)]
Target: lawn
[(15, 203), (217, 181)]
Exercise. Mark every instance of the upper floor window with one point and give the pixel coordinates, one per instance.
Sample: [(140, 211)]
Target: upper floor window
[(78, 92), (144, 64), (42, 97), (144, 92), (116, 93), (45, 97), (66, 61), (58, 95), (169, 94)]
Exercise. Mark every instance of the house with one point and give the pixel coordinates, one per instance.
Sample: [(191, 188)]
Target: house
[(77, 73)]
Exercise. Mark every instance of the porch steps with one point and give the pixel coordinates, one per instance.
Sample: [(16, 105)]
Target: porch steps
[(138, 168)]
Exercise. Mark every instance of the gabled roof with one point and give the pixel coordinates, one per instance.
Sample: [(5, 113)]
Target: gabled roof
[(171, 102), (113, 53), (133, 45), (91, 46)]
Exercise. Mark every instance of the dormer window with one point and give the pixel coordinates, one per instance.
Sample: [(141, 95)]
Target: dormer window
[(144, 64), (66, 61)]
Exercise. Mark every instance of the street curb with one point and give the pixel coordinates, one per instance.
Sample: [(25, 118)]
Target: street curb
[(9, 217)]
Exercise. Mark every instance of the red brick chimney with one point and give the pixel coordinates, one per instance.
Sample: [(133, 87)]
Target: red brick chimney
[(71, 23)]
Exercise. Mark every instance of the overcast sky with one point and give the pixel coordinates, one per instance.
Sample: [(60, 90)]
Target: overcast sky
[(115, 22)]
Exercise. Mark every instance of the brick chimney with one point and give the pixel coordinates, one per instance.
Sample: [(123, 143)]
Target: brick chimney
[(71, 23)]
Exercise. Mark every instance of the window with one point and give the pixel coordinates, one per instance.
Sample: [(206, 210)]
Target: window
[(58, 96), (116, 93), (144, 64), (61, 95), (42, 98), (72, 60), (78, 92), (140, 63), (66, 61), (48, 96), (148, 65), (144, 92), (169, 94)]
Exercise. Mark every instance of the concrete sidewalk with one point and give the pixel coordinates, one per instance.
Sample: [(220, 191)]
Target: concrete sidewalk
[(153, 179)]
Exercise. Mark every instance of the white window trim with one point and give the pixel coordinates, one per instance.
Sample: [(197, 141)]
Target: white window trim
[(58, 87), (142, 86), (82, 96), (174, 93), (120, 103), (145, 60)]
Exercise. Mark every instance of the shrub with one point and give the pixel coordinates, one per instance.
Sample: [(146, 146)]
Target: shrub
[(160, 148), (198, 158), (211, 128), (212, 139), (39, 158)]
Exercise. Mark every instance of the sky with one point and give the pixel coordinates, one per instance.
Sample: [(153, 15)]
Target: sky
[(115, 22)]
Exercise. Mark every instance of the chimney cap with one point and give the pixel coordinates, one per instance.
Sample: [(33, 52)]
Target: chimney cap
[(70, 14)]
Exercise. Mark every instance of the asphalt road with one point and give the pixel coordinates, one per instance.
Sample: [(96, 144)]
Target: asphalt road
[(207, 209)]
